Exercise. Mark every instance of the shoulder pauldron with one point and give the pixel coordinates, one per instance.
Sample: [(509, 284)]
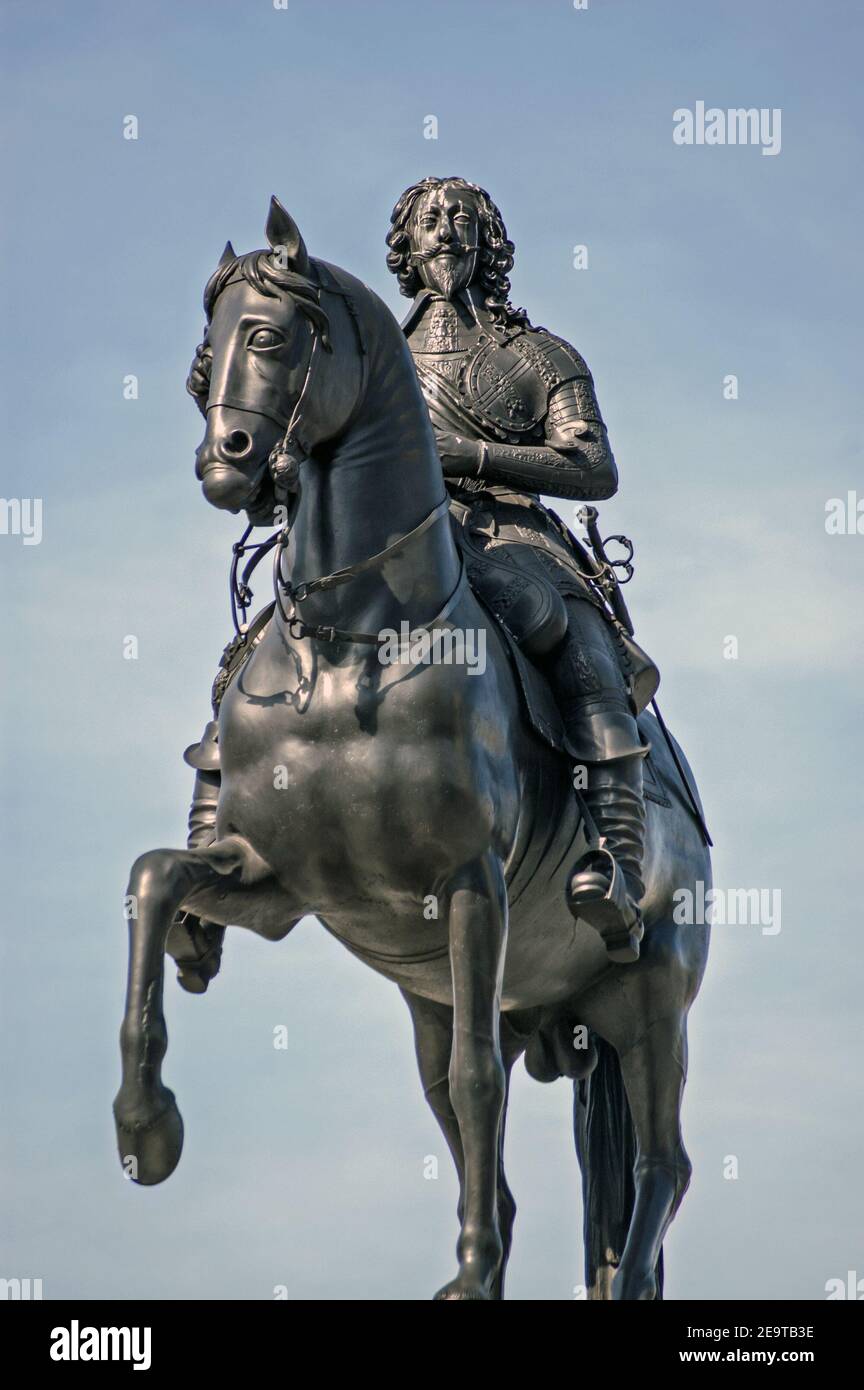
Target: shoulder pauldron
[(509, 383)]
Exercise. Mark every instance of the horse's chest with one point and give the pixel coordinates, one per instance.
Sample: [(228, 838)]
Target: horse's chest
[(358, 771)]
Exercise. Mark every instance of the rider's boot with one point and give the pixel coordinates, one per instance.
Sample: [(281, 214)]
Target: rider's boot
[(593, 696), (195, 945), (605, 886)]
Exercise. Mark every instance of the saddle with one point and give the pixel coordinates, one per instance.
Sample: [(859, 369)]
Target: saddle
[(542, 713), (522, 562), (522, 587)]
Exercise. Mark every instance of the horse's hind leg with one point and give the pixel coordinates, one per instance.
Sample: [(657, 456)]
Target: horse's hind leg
[(433, 1036), (654, 1070), (149, 1127)]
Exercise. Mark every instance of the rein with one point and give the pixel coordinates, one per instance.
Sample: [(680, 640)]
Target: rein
[(296, 593), (241, 594)]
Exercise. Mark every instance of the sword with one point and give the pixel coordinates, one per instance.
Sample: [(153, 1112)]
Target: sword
[(611, 587), (606, 576)]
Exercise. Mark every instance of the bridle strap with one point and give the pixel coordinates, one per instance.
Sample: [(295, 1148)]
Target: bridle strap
[(299, 592), (327, 284), (322, 633), (241, 594), (238, 584)]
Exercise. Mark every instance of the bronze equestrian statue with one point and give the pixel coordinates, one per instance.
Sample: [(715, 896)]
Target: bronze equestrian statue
[(423, 811)]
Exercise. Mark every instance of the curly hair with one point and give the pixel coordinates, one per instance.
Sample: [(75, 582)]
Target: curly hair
[(495, 255)]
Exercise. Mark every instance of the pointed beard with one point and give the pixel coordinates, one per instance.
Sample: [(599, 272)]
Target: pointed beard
[(445, 274)]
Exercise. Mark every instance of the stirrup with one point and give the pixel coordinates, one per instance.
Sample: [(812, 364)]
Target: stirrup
[(601, 899)]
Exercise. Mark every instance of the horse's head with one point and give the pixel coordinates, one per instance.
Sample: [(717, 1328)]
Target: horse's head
[(263, 318)]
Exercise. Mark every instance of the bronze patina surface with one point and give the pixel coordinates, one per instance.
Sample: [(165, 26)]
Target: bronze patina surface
[(409, 804)]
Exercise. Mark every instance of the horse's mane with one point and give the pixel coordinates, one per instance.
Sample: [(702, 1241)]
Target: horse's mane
[(267, 277)]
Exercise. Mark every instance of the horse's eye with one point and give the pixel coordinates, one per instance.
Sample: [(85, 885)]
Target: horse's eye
[(264, 338)]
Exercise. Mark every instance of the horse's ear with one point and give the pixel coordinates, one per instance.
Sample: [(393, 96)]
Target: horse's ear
[(284, 237), (228, 255)]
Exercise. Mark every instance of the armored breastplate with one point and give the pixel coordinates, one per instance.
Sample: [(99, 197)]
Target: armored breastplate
[(443, 339), (502, 380)]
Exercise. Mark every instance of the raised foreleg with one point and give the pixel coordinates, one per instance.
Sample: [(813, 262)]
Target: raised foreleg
[(149, 1127)]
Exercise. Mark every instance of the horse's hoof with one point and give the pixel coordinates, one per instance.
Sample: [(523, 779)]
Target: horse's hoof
[(475, 1282), (634, 1286), (150, 1146), (462, 1291)]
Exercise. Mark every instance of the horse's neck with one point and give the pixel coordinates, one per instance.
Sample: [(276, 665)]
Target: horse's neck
[(376, 484)]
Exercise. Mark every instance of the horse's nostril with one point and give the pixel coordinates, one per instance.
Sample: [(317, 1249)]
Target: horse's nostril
[(237, 444)]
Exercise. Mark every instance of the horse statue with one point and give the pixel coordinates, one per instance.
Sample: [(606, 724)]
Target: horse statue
[(411, 806)]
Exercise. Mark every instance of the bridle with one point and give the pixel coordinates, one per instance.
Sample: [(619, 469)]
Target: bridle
[(296, 593), (285, 464)]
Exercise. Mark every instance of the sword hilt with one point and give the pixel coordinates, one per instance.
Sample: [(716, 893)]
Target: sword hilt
[(588, 516)]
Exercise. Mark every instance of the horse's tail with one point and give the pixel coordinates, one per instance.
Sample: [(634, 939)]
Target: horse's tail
[(606, 1145)]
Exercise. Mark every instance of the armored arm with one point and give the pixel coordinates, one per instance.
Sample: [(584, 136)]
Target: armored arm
[(584, 470), (575, 459), (575, 462)]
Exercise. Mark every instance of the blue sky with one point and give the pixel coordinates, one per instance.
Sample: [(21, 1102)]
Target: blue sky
[(305, 1168)]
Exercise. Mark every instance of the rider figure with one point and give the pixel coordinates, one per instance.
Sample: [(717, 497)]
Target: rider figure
[(515, 415)]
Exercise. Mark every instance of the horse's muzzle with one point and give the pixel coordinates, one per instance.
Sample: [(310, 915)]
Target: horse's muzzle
[(224, 486)]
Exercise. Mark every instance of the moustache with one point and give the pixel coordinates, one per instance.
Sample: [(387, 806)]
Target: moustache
[(420, 257)]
